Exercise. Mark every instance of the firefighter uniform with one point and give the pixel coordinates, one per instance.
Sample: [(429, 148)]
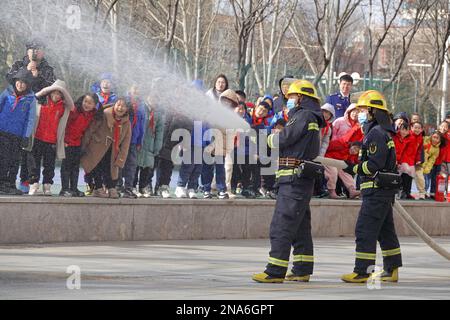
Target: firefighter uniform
[(340, 103), (375, 221), (291, 222)]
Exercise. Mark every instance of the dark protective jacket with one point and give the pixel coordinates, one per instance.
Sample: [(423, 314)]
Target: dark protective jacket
[(45, 76), (300, 138), (378, 154)]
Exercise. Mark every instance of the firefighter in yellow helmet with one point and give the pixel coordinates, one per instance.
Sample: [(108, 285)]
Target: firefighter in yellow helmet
[(379, 184), (298, 145)]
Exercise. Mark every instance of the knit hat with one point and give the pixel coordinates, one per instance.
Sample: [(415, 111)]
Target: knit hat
[(231, 95), (35, 43), (60, 86), (23, 75)]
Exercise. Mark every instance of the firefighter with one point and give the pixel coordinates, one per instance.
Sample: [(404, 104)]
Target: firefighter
[(298, 144), (379, 184)]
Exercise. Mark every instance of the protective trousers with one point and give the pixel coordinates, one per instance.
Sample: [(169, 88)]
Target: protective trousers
[(376, 222), (291, 227)]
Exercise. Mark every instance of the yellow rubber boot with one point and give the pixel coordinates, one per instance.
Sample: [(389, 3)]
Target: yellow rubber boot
[(292, 277), (265, 278), (385, 276), (355, 278)]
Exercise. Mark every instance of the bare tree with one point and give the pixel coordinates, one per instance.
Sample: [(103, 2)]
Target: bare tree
[(248, 14), (282, 12), (318, 34)]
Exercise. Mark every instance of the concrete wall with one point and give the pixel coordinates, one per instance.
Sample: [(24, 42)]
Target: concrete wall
[(49, 220)]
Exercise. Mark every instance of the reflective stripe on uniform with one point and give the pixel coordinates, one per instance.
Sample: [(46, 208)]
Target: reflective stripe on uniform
[(355, 169), (393, 252), (278, 262), (313, 126), (286, 172), (366, 256), (368, 185), (391, 144), (365, 168), (303, 258)]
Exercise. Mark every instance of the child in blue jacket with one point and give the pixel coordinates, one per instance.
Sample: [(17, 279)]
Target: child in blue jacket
[(17, 117)]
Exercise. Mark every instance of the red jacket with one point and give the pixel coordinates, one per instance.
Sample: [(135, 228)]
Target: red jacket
[(444, 154), (340, 148), (49, 117), (76, 126), (405, 149), (418, 144)]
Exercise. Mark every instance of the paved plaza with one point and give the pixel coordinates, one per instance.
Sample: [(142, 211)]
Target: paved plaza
[(205, 270)]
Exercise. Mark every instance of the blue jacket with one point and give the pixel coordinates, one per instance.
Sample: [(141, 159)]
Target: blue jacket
[(340, 103), (137, 124), (17, 119), (95, 88)]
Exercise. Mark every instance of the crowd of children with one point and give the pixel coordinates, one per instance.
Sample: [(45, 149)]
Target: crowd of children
[(121, 142)]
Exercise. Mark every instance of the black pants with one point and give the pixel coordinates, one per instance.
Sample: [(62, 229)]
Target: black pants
[(376, 223), (143, 177), (164, 172), (101, 174), (10, 151), (406, 183), (44, 153), (70, 168), (291, 227), (26, 163)]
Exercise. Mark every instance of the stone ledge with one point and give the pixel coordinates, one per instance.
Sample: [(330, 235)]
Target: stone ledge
[(54, 219)]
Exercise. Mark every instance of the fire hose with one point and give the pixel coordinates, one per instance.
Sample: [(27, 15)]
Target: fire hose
[(399, 209)]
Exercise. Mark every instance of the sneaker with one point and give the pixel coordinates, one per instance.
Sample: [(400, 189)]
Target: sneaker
[(34, 189), (77, 193), (181, 193), (127, 193), (47, 189), (271, 195), (223, 195), (66, 194), (137, 193), (100, 193), (207, 195), (262, 192), (24, 186), (192, 194), (239, 190), (146, 192), (89, 190), (164, 192), (248, 194), (113, 193)]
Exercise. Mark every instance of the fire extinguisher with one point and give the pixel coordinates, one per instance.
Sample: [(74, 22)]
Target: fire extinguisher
[(440, 188)]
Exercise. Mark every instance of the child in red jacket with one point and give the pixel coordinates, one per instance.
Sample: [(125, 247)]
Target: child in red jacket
[(445, 151), (48, 141), (79, 120), (406, 152)]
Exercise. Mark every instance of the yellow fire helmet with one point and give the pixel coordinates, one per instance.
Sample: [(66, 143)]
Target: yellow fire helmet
[(303, 87), (372, 99)]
